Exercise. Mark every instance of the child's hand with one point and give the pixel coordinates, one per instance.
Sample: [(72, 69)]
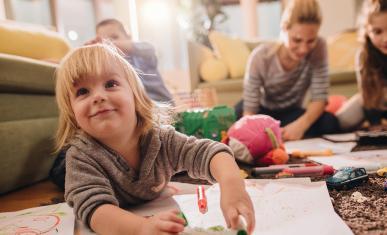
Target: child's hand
[(235, 202), (163, 223)]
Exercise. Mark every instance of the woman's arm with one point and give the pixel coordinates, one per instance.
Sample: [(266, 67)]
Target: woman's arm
[(296, 129)]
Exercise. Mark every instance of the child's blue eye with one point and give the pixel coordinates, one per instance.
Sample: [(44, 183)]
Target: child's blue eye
[(81, 91), (111, 83)]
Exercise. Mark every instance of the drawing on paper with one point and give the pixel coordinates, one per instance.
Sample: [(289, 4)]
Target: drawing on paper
[(40, 220)]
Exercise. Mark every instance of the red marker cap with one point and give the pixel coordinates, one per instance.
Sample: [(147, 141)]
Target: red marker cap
[(202, 200)]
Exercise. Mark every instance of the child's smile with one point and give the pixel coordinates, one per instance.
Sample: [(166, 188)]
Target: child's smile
[(102, 113)]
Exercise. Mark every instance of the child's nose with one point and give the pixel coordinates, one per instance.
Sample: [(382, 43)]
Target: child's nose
[(99, 97)]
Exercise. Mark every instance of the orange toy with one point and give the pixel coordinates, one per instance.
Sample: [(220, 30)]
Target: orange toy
[(277, 155)]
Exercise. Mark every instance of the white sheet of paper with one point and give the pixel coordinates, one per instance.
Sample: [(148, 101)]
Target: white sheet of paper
[(55, 219), (371, 160), (318, 144), (280, 208)]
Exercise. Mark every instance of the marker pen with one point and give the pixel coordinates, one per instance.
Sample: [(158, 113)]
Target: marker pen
[(310, 171), (274, 169), (202, 200)]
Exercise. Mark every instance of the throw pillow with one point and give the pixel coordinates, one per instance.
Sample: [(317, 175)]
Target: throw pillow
[(234, 52), (32, 41), (342, 49), (213, 69)]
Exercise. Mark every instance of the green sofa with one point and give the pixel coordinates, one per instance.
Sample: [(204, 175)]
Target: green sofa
[(28, 120)]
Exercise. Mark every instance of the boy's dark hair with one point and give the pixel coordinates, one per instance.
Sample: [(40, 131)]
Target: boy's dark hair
[(112, 21)]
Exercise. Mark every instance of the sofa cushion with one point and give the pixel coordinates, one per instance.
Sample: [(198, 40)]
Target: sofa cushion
[(20, 74), (18, 107), (32, 41), (234, 52), (26, 152), (342, 49), (213, 69)]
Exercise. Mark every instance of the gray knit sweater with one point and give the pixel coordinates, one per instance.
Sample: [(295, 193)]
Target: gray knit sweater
[(97, 175), (267, 84)]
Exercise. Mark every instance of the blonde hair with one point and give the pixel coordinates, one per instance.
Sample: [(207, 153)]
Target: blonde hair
[(302, 12), (93, 60), (372, 62)]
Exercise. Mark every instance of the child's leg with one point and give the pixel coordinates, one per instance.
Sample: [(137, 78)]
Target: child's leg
[(350, 115)]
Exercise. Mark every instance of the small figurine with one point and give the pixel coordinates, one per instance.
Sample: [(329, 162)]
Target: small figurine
[(346, 178), (382, 172)]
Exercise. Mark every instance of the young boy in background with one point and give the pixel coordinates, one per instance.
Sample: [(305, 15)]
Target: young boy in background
[(141, 55)]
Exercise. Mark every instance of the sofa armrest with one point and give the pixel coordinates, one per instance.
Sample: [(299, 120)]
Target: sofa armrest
[(339, 77), (20, 74)]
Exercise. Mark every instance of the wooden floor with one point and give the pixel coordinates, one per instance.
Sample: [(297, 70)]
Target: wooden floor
[(40, 194)]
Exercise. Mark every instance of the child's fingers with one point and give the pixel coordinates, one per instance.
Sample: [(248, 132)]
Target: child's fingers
[(169, 226), (173, 216), (232, 218), (249, 216)]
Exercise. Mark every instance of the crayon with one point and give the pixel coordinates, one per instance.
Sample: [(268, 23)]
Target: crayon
[(181, 215), (304, 154), (242, 226)]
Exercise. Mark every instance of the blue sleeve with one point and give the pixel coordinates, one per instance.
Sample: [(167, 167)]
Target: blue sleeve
[(146, 52)]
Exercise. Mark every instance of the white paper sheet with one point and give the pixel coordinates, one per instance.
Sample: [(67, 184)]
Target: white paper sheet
[(371, 160), (286, 206), (280, 208), (318, 144), (55, 219)]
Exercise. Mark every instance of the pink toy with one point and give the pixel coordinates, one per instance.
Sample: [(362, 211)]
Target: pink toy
[(250, 141)]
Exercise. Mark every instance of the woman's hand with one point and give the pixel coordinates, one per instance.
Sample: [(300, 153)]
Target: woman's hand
[(294, 130), (235, 201), (167, 222)]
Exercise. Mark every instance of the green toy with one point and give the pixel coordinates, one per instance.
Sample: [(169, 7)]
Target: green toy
[(206, 123)]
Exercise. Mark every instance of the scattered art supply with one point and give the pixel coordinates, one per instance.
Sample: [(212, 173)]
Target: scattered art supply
[(274, 169), (304, 154), (310, 171)]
